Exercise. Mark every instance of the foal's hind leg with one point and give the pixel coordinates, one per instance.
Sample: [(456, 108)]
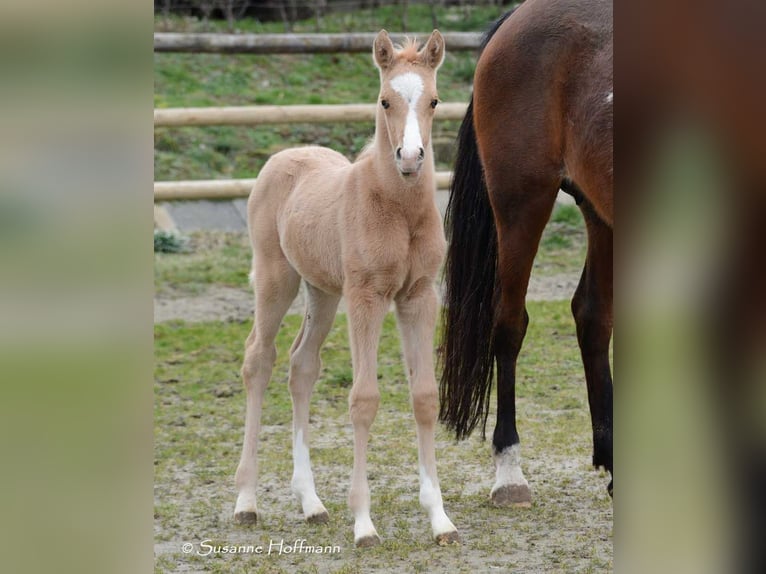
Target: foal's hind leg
[(522, 207), (276, 285), (304, 370), (592, 310), (416, 314)]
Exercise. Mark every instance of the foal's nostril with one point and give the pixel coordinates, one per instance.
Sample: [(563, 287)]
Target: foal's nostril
[(398, 153), (422, 153)]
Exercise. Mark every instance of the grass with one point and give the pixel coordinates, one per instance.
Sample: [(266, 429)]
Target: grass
[(199, 413), (563, 245), (219, 258), (190, 80), (199, 399), (211, 258)]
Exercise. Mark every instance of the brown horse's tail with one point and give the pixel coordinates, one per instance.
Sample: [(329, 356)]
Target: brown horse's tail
[(468, 317), (468, 359)]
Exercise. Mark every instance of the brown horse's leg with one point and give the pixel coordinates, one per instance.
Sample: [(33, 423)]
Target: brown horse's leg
[(304, 370), (276, 285), (522, 207), (366, 310), (592, 310), (416, 315)]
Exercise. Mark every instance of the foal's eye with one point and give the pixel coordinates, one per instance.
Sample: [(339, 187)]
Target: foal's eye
[(434, 102), (385, 104)]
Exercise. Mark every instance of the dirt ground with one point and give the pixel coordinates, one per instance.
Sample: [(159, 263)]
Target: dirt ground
[(568, 529), (220, 303)]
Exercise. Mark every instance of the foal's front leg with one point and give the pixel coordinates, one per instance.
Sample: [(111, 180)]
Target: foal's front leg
[(416, 315), (366, 310)]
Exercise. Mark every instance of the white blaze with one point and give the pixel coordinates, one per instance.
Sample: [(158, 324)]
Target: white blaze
[(410, 87)]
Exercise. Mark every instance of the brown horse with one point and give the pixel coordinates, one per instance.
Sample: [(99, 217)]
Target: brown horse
[(540, 119), (370, 231)]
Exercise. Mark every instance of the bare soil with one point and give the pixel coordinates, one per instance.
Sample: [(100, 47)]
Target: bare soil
[(220, 303), (568, 529)]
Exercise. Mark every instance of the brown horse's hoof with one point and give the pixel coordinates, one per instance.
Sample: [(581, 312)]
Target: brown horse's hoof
[(448, 539), (368, 541), (321, 518), (246, 518), (517, 495)]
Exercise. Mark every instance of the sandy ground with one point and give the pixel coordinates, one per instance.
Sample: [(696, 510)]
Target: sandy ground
[(232, 304), (569, 528)]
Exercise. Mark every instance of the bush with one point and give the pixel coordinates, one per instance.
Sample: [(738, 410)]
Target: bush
[(169, 242)]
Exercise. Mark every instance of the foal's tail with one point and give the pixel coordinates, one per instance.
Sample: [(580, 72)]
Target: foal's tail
[(468, 358)]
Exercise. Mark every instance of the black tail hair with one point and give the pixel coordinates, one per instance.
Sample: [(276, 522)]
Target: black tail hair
[(468, 357)]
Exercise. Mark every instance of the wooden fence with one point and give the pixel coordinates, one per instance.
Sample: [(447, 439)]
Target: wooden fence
[(230, 188), (295, 43), (265, 115)]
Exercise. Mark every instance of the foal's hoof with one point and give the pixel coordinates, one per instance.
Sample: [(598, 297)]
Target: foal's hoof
[(321, 518), (610, 488), (247, 517), (368, 541), (448, 539), (517, 495)]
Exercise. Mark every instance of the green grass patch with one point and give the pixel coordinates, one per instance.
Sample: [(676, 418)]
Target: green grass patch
[(209, 258), (567, 214), (191, 80), (563, 245), (199, 414), (223, 258)]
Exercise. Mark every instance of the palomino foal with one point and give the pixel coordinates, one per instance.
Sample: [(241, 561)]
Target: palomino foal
[(369, 231)]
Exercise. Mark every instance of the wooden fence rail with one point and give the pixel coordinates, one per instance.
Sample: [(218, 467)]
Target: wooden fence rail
[(230, 188), (264, 115), (294, 43)]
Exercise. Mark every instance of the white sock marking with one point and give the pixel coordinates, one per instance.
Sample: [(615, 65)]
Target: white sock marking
[(431, 500), (246, 502), (363, 526), (303, 479), (508, 464)]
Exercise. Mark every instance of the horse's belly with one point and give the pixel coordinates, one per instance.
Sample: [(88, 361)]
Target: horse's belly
[(308, 235), (317, 267)]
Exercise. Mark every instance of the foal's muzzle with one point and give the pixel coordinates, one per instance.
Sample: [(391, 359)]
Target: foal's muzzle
[(409, 162)]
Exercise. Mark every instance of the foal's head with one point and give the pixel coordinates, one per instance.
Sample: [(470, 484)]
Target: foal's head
[(408, 98)]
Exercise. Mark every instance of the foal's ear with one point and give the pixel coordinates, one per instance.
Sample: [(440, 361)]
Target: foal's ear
[(383, 50), (432, 54)]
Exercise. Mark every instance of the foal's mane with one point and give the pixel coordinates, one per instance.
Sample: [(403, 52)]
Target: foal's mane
[(408, 51)]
